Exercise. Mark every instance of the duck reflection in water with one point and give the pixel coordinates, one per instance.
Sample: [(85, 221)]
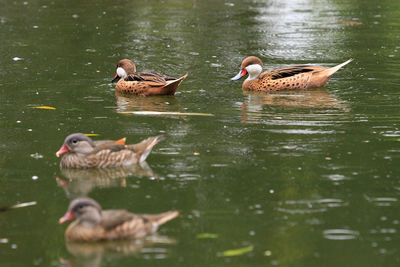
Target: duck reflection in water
[(156, 103), (94, 231), (92, 254), (82, 181), (252, 107)]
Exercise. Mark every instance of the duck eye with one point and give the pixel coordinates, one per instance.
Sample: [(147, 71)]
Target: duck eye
[(74, 141)]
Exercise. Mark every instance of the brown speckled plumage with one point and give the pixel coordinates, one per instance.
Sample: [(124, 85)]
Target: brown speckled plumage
[(94, 224), (144, 83), (285, 78), (82, 152)]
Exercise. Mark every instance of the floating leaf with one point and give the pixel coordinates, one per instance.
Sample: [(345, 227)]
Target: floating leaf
[(236, 252), (45, 107), (206, 236), (166, 113), (26, 204), (92, 134), (21, 205)]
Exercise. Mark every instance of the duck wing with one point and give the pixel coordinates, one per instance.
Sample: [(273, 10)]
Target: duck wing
[(110, 219), (149, 77), (110, 155), (289, 71), (102, 142), (124, 224), (159, 75), (112, 146)]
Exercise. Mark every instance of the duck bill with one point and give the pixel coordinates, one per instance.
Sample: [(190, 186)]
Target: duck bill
[(241, 73), (116, 78), (64, 149), (67, 217)]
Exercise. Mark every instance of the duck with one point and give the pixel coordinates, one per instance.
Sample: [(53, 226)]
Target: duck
[(143, 83), (92, 223), (82, 152), (284, 78)]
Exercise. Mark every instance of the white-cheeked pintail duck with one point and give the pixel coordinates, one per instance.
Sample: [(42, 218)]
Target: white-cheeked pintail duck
[(143, 83), (94, 224), (284, 78), (82, 152)]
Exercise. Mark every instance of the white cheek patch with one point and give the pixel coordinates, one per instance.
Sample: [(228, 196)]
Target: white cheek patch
[(254, 70), (121, 72)]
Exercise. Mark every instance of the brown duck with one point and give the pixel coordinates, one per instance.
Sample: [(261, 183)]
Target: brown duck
[(143, 83), (82, 152), (285, 78), (94, 224)]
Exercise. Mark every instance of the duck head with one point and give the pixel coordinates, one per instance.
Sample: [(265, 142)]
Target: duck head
[(86, 210), (124, 68), (251, 65), (77, 143)]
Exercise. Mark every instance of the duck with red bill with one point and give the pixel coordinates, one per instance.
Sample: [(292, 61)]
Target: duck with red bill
[(94, 224), (82, 152)]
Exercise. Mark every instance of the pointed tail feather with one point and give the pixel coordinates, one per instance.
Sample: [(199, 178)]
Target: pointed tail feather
[(172, 85), (179, 80), (329, 72), (164, 217), (144, 148)]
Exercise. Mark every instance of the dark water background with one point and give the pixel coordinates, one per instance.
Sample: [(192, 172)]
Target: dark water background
[(305, 178)]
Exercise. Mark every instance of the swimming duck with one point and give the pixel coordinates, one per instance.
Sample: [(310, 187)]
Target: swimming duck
[(94, 224), (284, 78), (82, 152), (143, 83)]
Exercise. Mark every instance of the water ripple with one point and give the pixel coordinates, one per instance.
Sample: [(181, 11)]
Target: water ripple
[(309, 206), (302, 131), (381, 201), (340, 234), (336, 177)]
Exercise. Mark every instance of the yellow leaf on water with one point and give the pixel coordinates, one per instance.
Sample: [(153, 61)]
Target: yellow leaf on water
[(236, 252), (92, 134), (206, 236), (45, 107)]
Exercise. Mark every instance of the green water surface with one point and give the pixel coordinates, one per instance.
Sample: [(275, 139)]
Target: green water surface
[(304, 178)]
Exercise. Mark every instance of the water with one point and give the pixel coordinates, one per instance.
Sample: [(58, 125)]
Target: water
[(305, 178)]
